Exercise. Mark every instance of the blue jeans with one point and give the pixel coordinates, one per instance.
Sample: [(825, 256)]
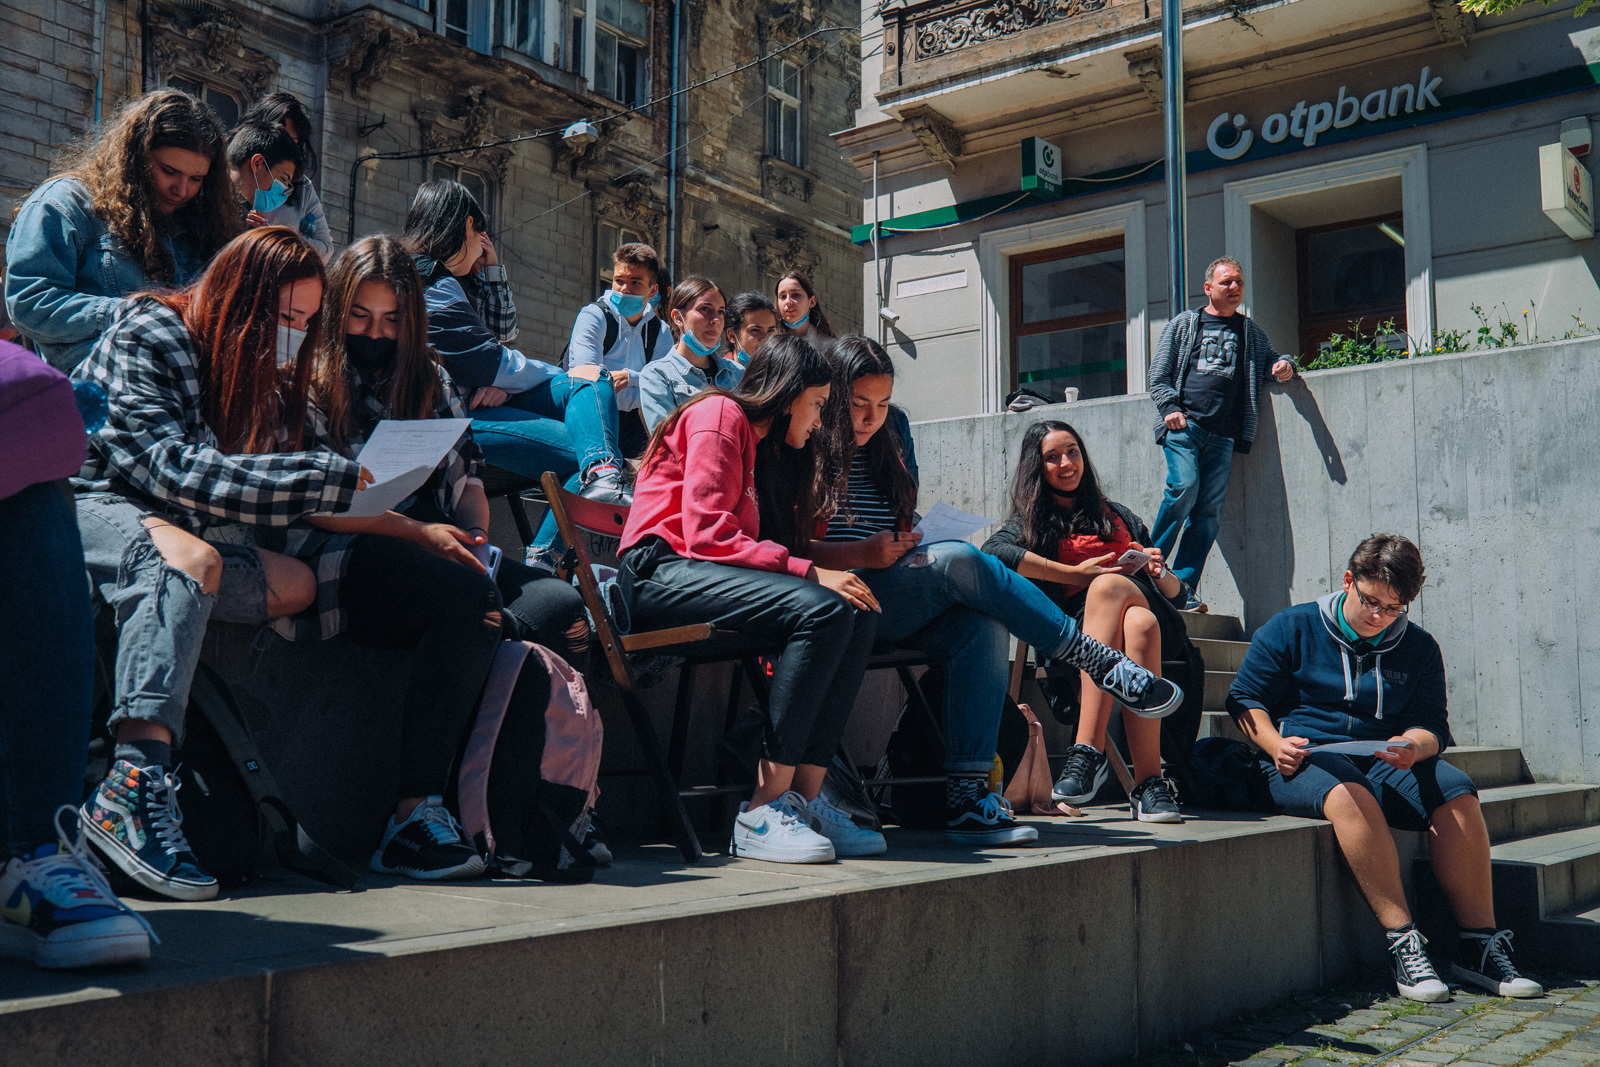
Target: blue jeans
[(960, 607), (566, 425), (47, 661), (1198, 467)]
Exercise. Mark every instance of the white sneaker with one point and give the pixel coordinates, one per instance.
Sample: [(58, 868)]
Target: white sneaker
[(777, 832), (848, 837)]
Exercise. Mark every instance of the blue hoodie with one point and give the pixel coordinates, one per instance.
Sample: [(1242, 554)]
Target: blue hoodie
[(1316, 684)]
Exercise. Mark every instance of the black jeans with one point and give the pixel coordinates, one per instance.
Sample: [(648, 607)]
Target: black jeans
[(544, 610), (826, 642), (399, 597)]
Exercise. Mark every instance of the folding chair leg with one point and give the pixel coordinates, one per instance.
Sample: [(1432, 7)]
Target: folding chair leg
[(1124, 776), (914, 693), (677, 816), (519, 516), (680, 719)]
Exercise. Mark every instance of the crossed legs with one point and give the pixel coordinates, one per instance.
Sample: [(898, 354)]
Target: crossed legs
[(1116, 614)]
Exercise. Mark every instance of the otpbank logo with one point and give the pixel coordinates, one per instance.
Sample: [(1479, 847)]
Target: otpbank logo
[(1308, 121)]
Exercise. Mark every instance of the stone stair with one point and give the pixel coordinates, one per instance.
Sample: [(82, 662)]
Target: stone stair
[(1544, 837)]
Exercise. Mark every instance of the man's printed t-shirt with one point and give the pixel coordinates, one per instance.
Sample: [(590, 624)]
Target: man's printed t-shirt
[(1217, 375)]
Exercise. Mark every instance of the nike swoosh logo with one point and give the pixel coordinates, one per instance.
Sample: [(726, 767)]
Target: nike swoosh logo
[(759, 830)]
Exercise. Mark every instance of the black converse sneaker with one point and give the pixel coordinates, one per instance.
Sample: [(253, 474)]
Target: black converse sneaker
[(1484, 959), (1413, 973), (979, 817), (1086, 771), (1141, 692), (428, 845), (1156, 800)]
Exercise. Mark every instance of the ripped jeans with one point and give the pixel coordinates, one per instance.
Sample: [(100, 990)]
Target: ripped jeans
[(160, 611)]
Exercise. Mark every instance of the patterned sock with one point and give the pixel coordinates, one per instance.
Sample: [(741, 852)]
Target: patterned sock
[(962, 789)]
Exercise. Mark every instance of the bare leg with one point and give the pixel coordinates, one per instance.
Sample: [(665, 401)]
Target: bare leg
[(291, 587), (1364, 839), (1109, 600), (1142, 636), (1459, 843)]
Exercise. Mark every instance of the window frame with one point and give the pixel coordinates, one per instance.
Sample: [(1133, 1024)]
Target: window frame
[(618, 36), (207, 87), (1019, 329), (491, 189), (1337, 322), (776, 94)]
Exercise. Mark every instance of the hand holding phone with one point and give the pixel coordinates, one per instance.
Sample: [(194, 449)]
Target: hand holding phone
[(1133, 560)]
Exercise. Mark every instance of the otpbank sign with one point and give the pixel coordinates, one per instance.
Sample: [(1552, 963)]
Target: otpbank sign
[(1231, 134)]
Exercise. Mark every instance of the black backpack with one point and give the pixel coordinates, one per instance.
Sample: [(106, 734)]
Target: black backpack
[(652, 331), (1224, 775)]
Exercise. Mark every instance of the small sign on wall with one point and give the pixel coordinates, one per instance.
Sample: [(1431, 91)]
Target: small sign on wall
[(1041, 168), (1566, 192)]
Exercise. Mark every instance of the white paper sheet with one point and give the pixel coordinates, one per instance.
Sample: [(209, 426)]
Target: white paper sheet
[(1359, 748), (946, 523), (401, 453)]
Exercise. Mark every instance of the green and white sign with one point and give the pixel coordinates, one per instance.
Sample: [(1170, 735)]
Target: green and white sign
[(1041, 168)]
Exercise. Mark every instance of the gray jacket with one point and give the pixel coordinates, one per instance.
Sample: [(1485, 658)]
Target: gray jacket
[(1169, 366)]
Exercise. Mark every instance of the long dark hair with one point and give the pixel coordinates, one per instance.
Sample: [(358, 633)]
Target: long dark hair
[(114, 167), (683, 296), (856, 357), (782, 369), (819, 318), (436, 225), (408, 388), (278, 109), (1044, 522)]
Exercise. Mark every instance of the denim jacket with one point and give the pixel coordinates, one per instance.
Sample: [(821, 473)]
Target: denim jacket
[(66, 273)]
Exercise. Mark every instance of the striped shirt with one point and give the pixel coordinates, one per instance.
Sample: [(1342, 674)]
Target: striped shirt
[(866, 511)]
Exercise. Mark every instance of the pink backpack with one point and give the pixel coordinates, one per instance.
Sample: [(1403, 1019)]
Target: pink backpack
[(41, 432), (530, 775)]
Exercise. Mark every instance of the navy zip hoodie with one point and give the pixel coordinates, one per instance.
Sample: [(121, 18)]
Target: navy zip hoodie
[(1316, 684)]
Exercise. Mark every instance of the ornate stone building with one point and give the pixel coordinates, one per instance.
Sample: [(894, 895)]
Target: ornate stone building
[(758, 186)]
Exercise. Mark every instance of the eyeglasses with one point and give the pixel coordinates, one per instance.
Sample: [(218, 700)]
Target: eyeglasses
[(1377, 608)]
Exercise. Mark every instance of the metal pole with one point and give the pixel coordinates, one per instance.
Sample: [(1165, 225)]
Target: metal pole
[(673, 221), (1177, 197), (877, 264)]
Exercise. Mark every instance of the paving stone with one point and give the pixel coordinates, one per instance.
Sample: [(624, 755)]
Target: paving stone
[(1320, 1063), (1254, 1061), (1502, 1059), (1386, 1038), (1418, 1055), (1429, 1019)]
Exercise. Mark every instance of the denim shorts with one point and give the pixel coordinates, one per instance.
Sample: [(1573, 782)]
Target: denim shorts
[(1408, 798)]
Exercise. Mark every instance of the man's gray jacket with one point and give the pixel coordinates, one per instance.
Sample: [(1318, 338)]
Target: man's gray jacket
[(1169, 366)]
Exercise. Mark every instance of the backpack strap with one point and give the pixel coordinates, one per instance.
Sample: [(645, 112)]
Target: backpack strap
[(613, 327), (652, 333), (472, 792), (296, 849)]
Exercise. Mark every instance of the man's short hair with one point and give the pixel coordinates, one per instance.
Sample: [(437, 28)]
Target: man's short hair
[(269, 141), (1392, 560), (638, 255), (1223, 261)]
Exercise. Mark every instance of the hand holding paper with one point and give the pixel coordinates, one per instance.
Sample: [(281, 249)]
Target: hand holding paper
[(401, 453), (946, 523), (1358, 748)]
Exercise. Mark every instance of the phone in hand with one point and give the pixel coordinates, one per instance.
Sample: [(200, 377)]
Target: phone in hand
[(1134, 559), (489, 556)]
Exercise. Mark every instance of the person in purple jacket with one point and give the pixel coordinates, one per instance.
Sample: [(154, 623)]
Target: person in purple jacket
[(1351, 667)]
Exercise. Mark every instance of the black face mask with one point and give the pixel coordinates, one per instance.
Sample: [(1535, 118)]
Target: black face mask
[(369, 355)]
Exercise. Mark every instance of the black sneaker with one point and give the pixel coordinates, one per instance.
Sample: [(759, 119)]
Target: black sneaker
[(1413, 972), (429, 845), (1141, 692), (604, 483), (1086, 771), (1156, 800), (1485, 960), (132, 819), (987, 820)]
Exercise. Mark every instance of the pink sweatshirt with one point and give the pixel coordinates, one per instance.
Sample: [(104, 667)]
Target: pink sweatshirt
[(699, 493)]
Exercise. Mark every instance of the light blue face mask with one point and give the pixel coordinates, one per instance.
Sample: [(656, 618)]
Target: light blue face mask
[(696, 347), (627, 304), (655, 300), (801, 321), (271, 198)]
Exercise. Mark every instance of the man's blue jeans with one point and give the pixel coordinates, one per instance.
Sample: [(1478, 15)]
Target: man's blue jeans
[(1198, 467), (960, 607), (566, 425)]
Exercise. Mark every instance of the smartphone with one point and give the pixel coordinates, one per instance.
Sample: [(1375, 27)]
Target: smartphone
[(489, 556), (1134, 558)]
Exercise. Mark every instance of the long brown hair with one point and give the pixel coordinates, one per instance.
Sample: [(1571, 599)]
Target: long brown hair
[(114, 168), (1044, 522), (819, 318), (231, 313), (856, 357), (410, 388), (682, 298)]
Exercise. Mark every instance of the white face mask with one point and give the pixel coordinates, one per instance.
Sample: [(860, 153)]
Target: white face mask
[(289, 341)]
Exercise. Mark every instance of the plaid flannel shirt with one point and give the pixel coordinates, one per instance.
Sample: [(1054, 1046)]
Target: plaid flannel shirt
[(328, 553), (491, 297), (156, 450)]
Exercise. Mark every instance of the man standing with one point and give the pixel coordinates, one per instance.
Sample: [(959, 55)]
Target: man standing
[(1206, 378), (1351, 667)]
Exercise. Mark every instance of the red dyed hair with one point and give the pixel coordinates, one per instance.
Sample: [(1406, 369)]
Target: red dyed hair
[(231, 312)]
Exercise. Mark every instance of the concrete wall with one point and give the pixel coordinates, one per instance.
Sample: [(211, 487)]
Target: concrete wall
[(1479, 458)]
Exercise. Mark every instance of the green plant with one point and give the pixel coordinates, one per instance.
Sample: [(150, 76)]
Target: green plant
[(1352, 350), (1500, 7)]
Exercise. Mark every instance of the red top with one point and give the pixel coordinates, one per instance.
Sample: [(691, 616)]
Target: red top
[(1080, 548), (698, 493)]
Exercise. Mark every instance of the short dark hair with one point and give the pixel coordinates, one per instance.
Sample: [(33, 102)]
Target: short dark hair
[(1392, 560), (1223, 261), (279, 109), (270, 142), (743, 304), (636, 254)]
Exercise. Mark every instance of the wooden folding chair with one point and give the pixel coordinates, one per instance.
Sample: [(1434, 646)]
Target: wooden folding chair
[(1113, 754)]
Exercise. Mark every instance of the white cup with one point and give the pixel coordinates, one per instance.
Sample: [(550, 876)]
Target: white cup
[(1071, 393)]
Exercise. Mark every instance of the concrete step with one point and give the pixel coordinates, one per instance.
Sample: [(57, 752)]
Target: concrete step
[(1557, 872), (1213, 627), (1219, 724), (1217, 683), (1489, 765), (1525, 810), (1569, 941), (1220, 655)]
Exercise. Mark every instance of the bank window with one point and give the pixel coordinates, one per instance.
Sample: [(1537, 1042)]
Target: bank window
[(1352, 280), (620, 55), (222, 104), (1069, 320), (783, 111), (479, 186)]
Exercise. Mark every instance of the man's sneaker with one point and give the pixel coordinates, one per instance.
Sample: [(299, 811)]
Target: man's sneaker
[(604, 483), (849, 838), (1141, 692), (1485, 960), (57, 910), (1086, 771), (1193, 603), (1156, 800), (1413, 973), (778, 832), (987, 820), (428, 845), (133, 820)]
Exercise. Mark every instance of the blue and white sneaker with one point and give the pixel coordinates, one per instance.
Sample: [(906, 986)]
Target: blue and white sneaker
[(428, 845), (779, 832), (849, 837), (57, 910)]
